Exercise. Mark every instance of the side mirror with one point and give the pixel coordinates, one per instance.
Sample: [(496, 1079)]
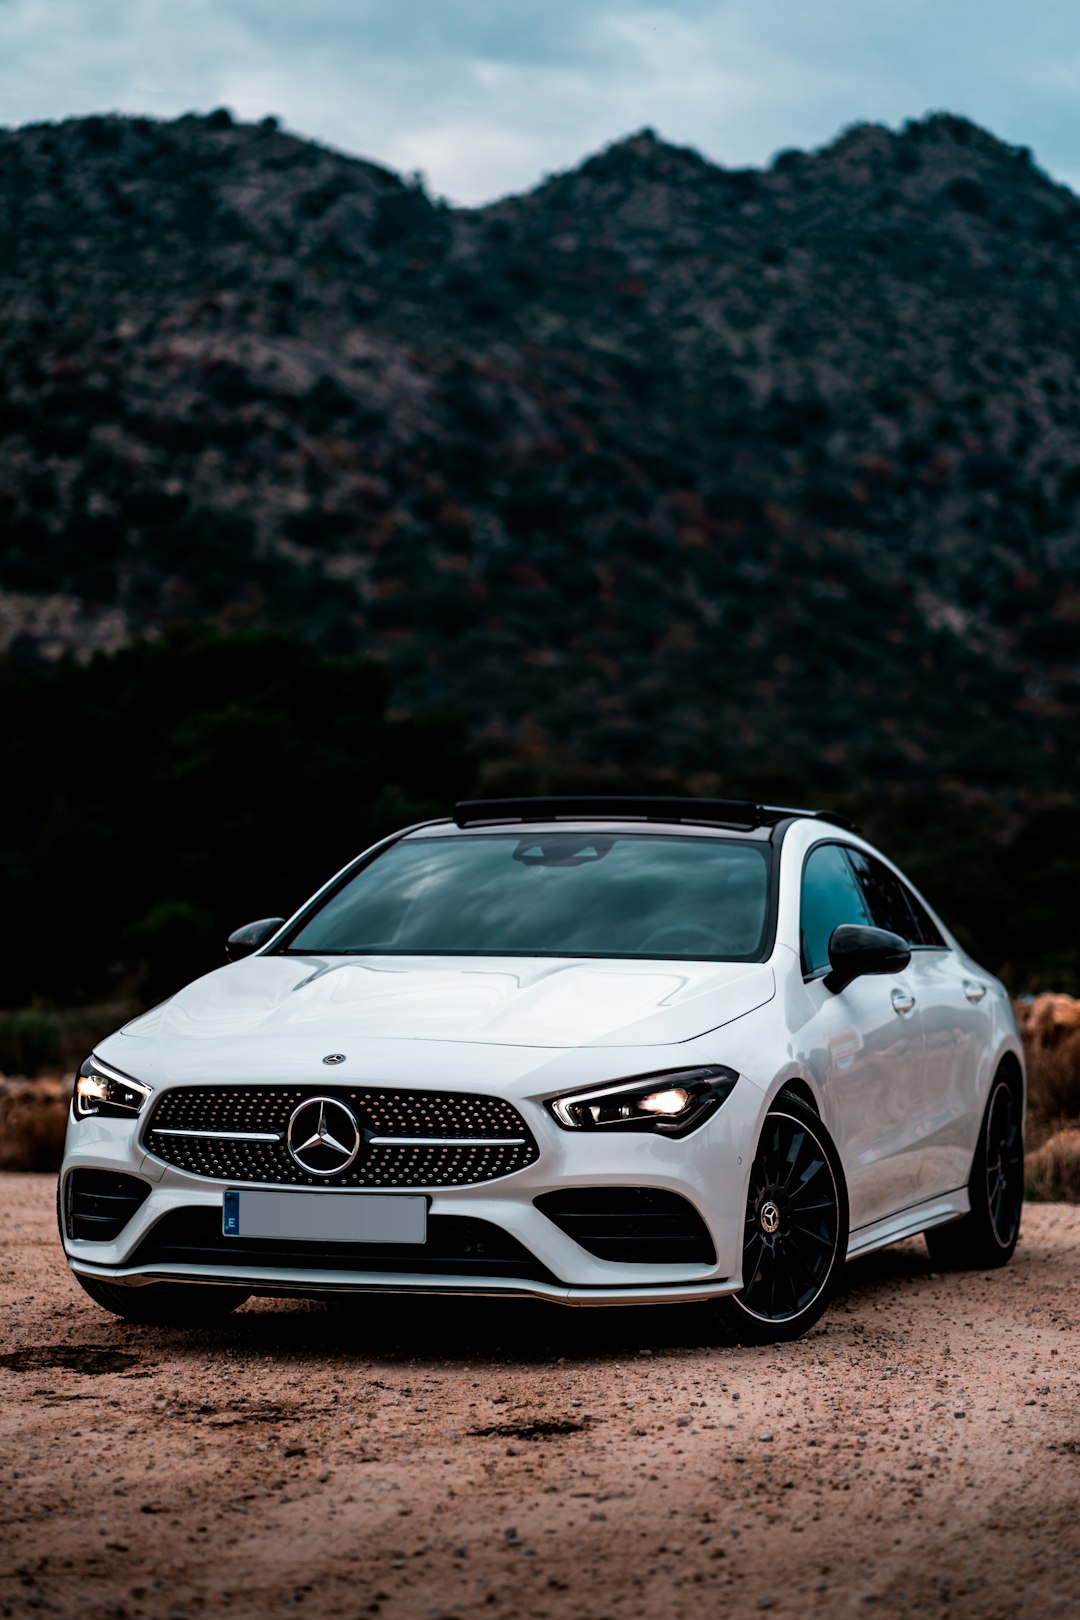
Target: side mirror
[(854, 950), (251, 937)]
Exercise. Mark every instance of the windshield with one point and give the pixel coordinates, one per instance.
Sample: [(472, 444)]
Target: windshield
[(551, 894)]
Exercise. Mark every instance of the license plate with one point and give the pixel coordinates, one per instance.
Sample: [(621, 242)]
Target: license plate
[(324, 1217)]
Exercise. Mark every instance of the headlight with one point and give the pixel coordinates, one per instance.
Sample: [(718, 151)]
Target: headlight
[(106, 1093), (667, 1104)]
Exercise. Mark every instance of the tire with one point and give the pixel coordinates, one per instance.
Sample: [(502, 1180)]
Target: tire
[(163, 1304), (795, 1231), (987, 1236)]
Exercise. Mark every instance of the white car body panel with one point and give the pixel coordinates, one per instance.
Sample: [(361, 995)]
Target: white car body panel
[(902, 1094), (543, 1003)]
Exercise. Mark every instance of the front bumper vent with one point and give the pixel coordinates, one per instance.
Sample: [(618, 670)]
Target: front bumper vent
[(410, 1138), (456, 1246), (99, 1203), (638, 1225)]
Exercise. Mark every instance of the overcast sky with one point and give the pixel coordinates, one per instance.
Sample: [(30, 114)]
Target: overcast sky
[(485, 96)]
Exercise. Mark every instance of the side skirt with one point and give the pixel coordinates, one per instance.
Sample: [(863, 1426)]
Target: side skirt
[(909, 1222)]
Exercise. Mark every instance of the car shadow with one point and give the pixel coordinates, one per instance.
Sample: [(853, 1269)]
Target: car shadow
[(904, 1262), (392, 1330)]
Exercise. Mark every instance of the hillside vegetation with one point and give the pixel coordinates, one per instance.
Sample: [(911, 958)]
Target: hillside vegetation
[(159, 796), (661, 465), (174, 791)]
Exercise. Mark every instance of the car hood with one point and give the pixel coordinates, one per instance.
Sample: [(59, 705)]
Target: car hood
[(503, 1001)]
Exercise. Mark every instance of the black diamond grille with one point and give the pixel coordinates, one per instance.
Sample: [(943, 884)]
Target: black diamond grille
[(454, 1139)]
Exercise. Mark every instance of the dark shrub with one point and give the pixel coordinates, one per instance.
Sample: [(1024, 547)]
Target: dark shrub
[(59, 435), (103, 133), (94, 539), (27, 559), (320, 526), (231, 385), (400, 214), (969, 194), (150, 504), (325, 403)]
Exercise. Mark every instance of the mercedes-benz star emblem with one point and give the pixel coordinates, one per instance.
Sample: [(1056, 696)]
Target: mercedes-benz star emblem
[(334, 1057), (323, 1136)]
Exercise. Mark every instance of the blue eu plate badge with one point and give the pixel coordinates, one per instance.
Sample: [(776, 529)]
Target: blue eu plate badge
[(230, 1216)]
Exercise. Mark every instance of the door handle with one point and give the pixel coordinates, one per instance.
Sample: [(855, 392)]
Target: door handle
[(973, 990), (903, 1001)]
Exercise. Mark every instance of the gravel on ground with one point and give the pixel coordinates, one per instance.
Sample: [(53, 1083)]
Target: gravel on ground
[(917, 1454)]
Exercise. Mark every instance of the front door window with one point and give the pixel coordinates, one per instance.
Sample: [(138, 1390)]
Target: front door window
[(830, 896)]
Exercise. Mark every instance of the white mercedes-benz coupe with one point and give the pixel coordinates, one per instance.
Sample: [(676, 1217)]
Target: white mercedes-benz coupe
[(593, 1051)]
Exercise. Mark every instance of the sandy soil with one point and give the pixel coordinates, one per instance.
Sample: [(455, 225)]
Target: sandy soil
[(919, 1453)]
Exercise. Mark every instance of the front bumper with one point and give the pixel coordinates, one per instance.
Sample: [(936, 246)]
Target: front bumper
[(265, 1280), (709, 1169)]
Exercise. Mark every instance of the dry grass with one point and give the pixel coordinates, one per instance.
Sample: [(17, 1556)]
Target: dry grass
[(54, 1040), (39, 1045), (1050, 1026), (1053, 1170), (33, 1119)]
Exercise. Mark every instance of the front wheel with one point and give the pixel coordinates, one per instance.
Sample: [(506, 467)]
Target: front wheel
[(986, 1237), (795, 1231), (163, 1304)]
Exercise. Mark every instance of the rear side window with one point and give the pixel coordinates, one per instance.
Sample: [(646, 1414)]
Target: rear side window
[(884, 895), (830, 896), (892, 904), (928, 931)]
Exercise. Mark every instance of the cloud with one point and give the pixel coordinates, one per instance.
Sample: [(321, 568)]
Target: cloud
[(486, 95)]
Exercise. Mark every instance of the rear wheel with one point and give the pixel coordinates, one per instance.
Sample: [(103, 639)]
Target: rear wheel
[(163, 1304), (795, 1230), (987, 1236)]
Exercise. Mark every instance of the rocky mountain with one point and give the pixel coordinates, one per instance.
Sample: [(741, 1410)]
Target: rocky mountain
[(660, 464)]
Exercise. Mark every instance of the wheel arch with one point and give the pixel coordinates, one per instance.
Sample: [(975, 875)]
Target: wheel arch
[(797, 1083), (1007, 1060), (796, 1086), (1010, 1063)]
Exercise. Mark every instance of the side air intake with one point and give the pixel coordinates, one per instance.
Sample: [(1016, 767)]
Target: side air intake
[(99, 1203), (640, 1225)]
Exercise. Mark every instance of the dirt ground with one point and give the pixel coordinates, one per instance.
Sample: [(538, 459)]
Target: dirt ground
[(919, 1453)]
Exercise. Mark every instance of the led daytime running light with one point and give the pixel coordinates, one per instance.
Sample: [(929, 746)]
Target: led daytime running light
[(102, 1092), (666, 1104)]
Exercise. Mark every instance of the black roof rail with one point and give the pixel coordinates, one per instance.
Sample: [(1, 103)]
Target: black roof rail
[(740, 813)]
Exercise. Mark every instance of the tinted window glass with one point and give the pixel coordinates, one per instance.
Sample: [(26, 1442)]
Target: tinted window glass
[(927, 930), (830, 896), (885, 895), (552, 894)]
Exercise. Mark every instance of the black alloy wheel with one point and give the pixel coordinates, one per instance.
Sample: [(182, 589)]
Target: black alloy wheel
[(1004, 1165), (795, 1231), (986, 1237)]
